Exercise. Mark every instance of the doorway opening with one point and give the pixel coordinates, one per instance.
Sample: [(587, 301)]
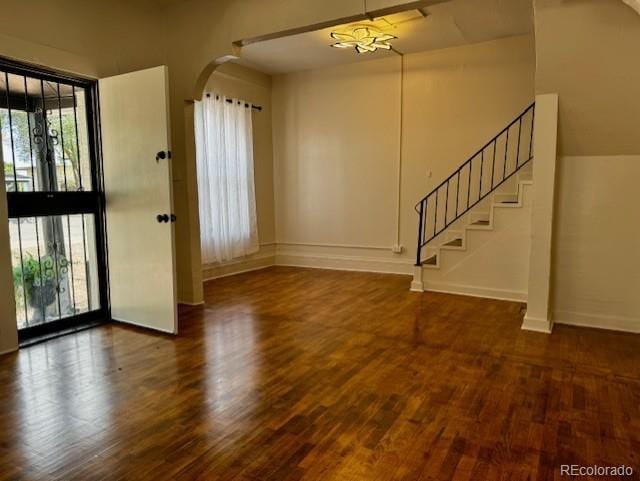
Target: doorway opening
[(49, 150)]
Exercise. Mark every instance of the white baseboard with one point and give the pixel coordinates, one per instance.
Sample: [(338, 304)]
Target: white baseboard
[(597, 321), (137, 324), (8, 351), (233, 272), (537, 324), (350, 258), (475, 291), (191, 304), (261, 260), (343, 262), (320, 256)]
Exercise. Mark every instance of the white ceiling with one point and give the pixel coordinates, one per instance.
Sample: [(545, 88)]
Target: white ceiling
[(450, 24)]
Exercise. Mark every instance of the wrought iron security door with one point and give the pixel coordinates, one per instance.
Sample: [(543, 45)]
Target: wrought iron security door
[(49, 147)]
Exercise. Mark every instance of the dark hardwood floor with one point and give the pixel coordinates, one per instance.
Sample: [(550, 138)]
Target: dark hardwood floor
[(291, 374)]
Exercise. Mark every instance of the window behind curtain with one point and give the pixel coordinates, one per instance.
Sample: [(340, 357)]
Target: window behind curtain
[(226, 190)]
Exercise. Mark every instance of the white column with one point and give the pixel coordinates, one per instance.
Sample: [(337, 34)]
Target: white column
[(418, 283), (545, 147)]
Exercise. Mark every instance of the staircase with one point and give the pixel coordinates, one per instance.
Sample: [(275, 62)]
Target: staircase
[(474, 228)]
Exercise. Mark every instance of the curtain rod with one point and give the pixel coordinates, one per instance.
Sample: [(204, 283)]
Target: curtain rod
[(230, 101)]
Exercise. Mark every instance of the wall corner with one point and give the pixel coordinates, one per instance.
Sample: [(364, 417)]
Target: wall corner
[(8, 322)]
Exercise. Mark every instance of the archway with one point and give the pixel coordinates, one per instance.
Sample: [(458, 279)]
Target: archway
[(232, 79)]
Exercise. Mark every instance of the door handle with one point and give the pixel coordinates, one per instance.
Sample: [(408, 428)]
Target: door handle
[(163, 155), (162, 218), (173, 218)]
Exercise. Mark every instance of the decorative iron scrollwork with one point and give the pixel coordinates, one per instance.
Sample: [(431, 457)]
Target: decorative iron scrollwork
[(53, 133), (38, 132)]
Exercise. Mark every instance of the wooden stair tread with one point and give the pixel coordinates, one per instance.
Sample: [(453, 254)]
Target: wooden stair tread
[(481, 222)]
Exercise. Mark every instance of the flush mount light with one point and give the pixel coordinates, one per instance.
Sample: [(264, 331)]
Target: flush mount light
[(363, 38)]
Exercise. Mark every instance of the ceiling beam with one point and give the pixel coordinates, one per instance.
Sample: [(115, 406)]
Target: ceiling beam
[(369, 15)]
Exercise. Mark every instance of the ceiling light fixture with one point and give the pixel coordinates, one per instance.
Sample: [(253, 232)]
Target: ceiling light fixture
[(363, 38)]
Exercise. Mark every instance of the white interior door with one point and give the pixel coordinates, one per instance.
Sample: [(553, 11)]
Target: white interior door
[(134, 113)]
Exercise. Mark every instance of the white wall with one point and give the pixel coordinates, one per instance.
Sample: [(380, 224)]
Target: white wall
[(336, 150), (336, 145), (588, 53), (596, 253)]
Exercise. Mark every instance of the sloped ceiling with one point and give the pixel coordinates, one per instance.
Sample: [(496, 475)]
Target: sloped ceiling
[(635, 4)]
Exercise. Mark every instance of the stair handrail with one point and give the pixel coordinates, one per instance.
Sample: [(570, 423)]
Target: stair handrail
[(422, 207)]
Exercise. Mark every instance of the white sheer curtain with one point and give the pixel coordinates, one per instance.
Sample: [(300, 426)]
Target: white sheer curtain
[(226, 191)]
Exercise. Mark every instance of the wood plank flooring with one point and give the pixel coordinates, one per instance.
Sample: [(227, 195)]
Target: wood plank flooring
[(298, 374)]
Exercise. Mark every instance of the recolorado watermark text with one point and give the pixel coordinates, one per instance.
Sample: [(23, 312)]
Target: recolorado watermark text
[(595, 470)]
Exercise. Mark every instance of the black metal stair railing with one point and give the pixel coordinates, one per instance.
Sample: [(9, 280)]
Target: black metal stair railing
[(474, 180)]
